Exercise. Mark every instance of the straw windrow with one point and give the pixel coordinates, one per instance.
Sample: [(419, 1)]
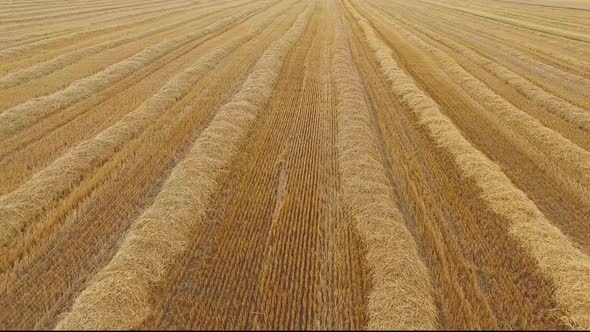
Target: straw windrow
[(19, 117), (558, 258), (26, 204), (118, 296), (401, 297)]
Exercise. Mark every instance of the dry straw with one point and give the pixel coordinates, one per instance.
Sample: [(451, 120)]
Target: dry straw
[(19, 117), (555, 105), (118, 296), (554, 144), (552, 73), (565, 80), (572, 35), (401, 297), (75, 12), (41, 40), (28, 203), (558, 258), (47, 67), (543, 43), (68, 21)]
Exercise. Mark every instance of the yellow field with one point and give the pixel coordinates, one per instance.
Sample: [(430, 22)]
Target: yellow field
[(285, 164)]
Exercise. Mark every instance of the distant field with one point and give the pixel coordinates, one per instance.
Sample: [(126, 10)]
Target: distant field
[(286, 164), (573, 4)]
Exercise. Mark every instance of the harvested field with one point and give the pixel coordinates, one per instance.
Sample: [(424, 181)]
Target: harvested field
[(284, 164)]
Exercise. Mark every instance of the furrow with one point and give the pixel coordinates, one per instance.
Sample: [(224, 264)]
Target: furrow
[(47, 187), (78, 238), (555, 105), (19, 117), (77, 12), (566, 265), (564, 153), (44, 68), (401, 297), (14, 53), (160, 235)]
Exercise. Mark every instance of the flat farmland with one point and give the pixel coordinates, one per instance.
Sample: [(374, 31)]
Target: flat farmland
[(295, 164)]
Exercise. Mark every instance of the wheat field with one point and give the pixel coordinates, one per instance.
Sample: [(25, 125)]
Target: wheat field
[(295, 164)]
